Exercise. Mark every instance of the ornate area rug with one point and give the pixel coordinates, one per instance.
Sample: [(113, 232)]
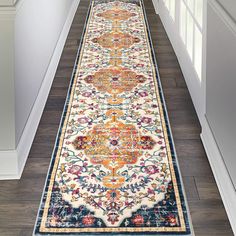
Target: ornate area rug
[(114, 168)]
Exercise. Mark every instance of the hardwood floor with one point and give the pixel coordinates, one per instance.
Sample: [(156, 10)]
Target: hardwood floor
[(19, 199)]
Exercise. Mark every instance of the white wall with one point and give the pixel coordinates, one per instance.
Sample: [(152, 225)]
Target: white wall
[(7, 106), (7, 2), (203, 35), (33, 34), (219, 129), (229, 6), (183, 21), (36, 35), (221, 87)]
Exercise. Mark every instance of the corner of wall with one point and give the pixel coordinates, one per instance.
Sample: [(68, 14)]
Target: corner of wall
[(13, 161)]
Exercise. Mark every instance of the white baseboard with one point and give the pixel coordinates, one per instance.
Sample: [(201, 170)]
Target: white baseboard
[(220, 172), (13, 161), (155, 4), (9, 165)]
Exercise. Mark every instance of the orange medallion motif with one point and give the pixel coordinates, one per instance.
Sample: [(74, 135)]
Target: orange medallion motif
[(116, 14), (116, 40), (113, 145), (115, 80)]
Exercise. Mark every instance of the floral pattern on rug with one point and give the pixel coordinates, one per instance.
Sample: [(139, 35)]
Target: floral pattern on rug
[(114, 168)]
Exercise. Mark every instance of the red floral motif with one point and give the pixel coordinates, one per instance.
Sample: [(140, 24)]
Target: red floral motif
[(147, 143), (88, 220), (138, 220), (75, 170), (172, 220), (113, 217), (151, 169), (143, 94), (80, 142), (83, 120), (146, 120)]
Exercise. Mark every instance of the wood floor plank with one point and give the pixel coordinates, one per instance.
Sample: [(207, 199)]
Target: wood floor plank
[(36, 166), (207, 188), (16, 232), (18, 215), (190, 188), (26, 189)]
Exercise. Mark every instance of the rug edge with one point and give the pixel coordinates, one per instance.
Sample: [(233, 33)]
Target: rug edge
[(191, 233)]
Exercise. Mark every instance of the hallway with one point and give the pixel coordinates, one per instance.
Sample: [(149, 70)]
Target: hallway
[(19, 199)]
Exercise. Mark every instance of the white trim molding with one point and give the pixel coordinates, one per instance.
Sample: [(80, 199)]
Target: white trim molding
[(13, 161), (222, 177), (9, 165), (156, 5)]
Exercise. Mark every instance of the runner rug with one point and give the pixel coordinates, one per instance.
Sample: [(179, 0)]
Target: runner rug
[(114, 168)]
